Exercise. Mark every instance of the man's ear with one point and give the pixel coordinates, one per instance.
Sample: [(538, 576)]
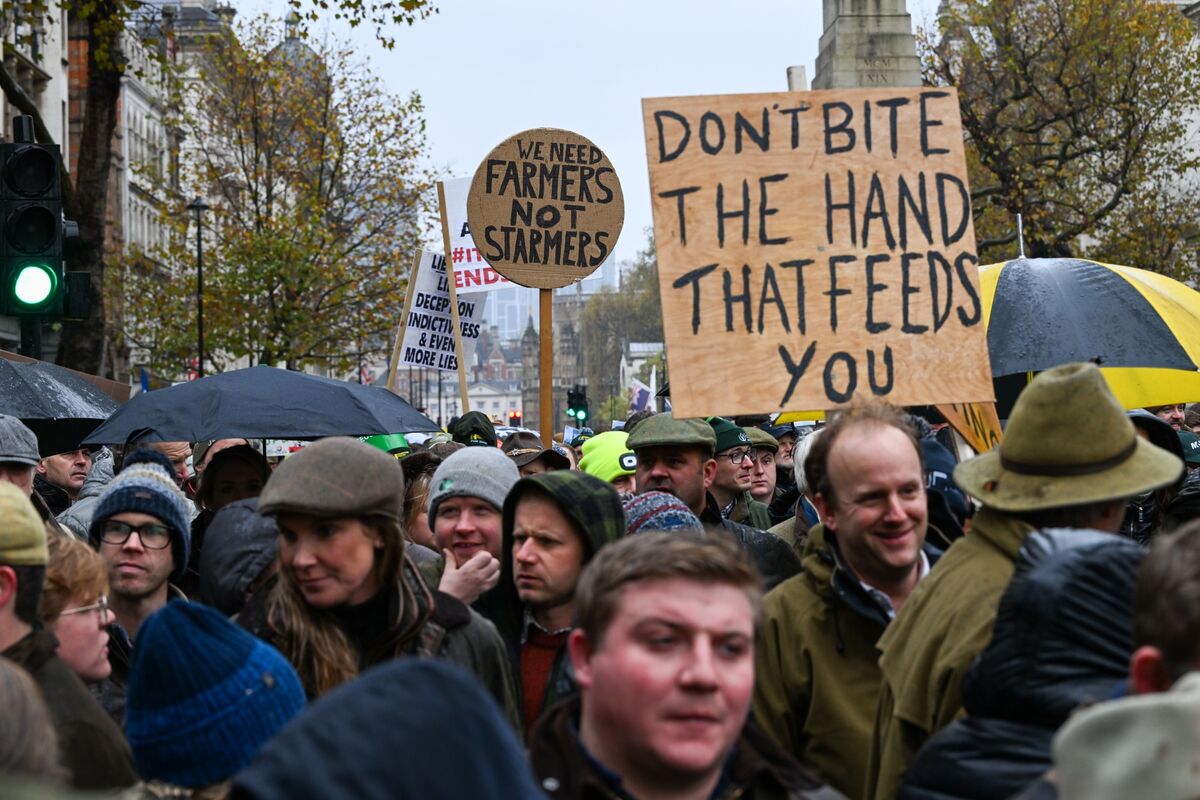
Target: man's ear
[(41, 467), (1148, 671), (580, 651), (827, 512), (8, 585), (710, 472)]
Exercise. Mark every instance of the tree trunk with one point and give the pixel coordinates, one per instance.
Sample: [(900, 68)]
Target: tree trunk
[(82, 345)]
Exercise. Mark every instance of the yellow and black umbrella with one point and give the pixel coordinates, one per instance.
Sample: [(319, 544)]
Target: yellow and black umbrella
[(1141, 327)]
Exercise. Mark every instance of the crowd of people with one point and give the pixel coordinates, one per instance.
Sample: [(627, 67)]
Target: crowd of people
[(676, 608)]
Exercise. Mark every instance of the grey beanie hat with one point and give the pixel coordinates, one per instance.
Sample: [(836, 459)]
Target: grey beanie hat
[(482, 472)]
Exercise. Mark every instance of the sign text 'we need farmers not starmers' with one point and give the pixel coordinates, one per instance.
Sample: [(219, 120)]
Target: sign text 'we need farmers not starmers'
[(814, 248)]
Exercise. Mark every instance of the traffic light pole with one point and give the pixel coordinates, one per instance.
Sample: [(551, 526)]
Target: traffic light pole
[(31, 337)]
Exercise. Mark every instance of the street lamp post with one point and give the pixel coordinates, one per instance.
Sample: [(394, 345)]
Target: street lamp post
[(198, 207)]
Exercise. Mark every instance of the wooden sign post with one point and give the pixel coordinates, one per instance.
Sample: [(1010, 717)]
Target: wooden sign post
[(462, 367), (545, 210), (394, 361), (815, 248)]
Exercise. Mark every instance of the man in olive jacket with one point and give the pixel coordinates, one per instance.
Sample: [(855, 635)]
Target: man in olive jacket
[(817, 673), (1070, 458)]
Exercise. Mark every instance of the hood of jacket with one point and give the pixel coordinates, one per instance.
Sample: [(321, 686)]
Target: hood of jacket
[(239, 544), (98, 477), (1063, 634), (408, 728), (592, 506)]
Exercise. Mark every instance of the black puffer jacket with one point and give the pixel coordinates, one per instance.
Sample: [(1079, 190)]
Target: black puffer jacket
[(1063, 637), (776, 562)]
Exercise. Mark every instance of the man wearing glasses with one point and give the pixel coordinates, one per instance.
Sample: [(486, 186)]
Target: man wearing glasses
[(678, 456), (731, 484), (141, 530)]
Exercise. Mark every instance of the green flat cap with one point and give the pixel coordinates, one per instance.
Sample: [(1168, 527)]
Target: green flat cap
[(760, 438), (663, 430)]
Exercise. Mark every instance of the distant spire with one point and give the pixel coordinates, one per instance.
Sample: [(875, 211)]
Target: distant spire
[(292, 24)]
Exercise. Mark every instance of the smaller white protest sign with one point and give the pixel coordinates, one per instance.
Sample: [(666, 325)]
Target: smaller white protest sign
[(429, 328), (471, 272)]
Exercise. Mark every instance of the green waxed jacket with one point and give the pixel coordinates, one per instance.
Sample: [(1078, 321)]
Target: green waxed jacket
[(817, 676), (933, 641)]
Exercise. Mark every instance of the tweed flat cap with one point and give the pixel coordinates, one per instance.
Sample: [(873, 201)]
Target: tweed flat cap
[(664, 430), (336, 477)]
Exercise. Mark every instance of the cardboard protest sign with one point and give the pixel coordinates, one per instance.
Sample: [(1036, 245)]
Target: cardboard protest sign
[(545, 208), (978, 423), (471, 272), (429, 326), (814, 248)]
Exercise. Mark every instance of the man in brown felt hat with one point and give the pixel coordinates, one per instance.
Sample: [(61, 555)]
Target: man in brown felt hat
[(1070, 459), (531, 456)]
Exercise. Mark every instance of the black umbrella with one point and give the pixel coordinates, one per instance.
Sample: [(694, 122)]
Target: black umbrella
[(58, 406), (260, 403), (1142, 328)]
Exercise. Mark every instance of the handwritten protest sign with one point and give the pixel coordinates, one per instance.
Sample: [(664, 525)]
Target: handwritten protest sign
[(814, 248), (978, 423), (471, 272), (429, 327), (545, 208)]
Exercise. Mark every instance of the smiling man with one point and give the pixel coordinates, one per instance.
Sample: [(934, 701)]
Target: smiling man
[(465, 497), (664, 657), (554, 523), (818, 676)]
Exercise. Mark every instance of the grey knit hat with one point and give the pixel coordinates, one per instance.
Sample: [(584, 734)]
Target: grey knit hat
[(146, 484), (336, 477), (482, 472)]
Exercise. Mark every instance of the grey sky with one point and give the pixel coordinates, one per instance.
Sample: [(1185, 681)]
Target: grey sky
[(489, 69)]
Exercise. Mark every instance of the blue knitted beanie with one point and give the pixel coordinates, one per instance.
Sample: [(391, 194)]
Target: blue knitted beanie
[(146, 484), (204, 696)]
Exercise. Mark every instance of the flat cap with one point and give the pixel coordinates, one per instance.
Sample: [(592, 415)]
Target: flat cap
[(18, 444), (336, 477), (663, 430), (760, 438)]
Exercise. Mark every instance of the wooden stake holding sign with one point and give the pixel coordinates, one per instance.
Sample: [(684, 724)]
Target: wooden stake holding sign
[(815, 248), (545, 210), (458, 348), (394, 361)]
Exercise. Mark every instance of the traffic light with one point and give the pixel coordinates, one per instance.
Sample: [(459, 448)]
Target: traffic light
[(32, 278), (514, 419), (577, 404)]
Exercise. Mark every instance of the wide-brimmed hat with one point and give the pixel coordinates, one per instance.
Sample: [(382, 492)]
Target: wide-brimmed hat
[(523, 447), (1068, 442)]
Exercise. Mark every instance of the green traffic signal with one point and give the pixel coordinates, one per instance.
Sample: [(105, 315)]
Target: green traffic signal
[(34, 285)]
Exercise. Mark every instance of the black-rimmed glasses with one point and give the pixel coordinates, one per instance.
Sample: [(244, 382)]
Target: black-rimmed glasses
[(153, 535)]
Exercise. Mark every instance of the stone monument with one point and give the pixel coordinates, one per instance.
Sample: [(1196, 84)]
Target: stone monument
[(867, 43)]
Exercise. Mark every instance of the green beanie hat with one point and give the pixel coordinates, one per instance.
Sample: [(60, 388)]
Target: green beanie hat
[(729, 435), (608, 457)]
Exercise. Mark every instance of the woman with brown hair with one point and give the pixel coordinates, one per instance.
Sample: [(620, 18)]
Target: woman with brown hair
[(348, 596), (74, 606)]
